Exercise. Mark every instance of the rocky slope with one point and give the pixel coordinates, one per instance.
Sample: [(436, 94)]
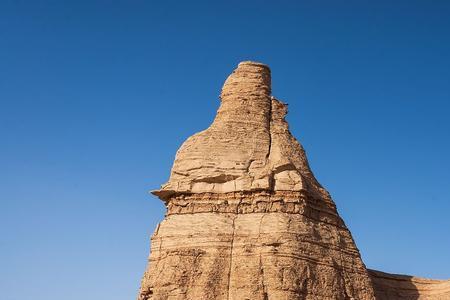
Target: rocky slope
[(246, 218)]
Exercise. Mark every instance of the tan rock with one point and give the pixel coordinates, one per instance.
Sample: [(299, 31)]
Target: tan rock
[(248, 147), (246, 218)]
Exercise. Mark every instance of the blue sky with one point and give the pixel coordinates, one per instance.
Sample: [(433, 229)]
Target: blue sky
[(97, 96)]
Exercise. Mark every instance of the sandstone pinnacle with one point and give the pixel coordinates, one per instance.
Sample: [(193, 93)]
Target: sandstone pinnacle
[(247, 220), (247, 148)]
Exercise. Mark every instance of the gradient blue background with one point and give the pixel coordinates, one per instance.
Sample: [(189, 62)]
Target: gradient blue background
[(97, 96)]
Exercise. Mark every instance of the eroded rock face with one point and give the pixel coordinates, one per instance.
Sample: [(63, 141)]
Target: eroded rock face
[(246, 218), (248, 147)]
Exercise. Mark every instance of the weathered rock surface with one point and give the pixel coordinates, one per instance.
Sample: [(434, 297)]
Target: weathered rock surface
[(248, 147), (246, 218)]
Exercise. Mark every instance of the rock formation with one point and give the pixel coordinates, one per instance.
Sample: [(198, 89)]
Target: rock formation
[(246, 218), (402, 287)]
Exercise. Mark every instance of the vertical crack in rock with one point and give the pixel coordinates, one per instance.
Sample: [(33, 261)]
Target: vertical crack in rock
[(269, 129), (244, 168), (261, 265), (230, 270)]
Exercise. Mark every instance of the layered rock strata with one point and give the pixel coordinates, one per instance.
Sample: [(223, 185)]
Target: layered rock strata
[(248, 147), (246, 218)]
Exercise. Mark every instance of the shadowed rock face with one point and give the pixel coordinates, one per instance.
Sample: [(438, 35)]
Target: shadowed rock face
[(246, 219)]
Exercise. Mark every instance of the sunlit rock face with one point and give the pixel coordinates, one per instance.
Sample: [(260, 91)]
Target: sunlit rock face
[(246, 218), (247, 148)]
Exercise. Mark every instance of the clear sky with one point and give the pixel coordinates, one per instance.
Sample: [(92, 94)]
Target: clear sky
[(97, 96)]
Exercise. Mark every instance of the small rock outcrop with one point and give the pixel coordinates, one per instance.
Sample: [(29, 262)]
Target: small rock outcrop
[(404, 287), (246, 218)]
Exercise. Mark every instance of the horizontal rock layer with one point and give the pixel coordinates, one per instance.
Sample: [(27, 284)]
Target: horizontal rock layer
[(280, 246)]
